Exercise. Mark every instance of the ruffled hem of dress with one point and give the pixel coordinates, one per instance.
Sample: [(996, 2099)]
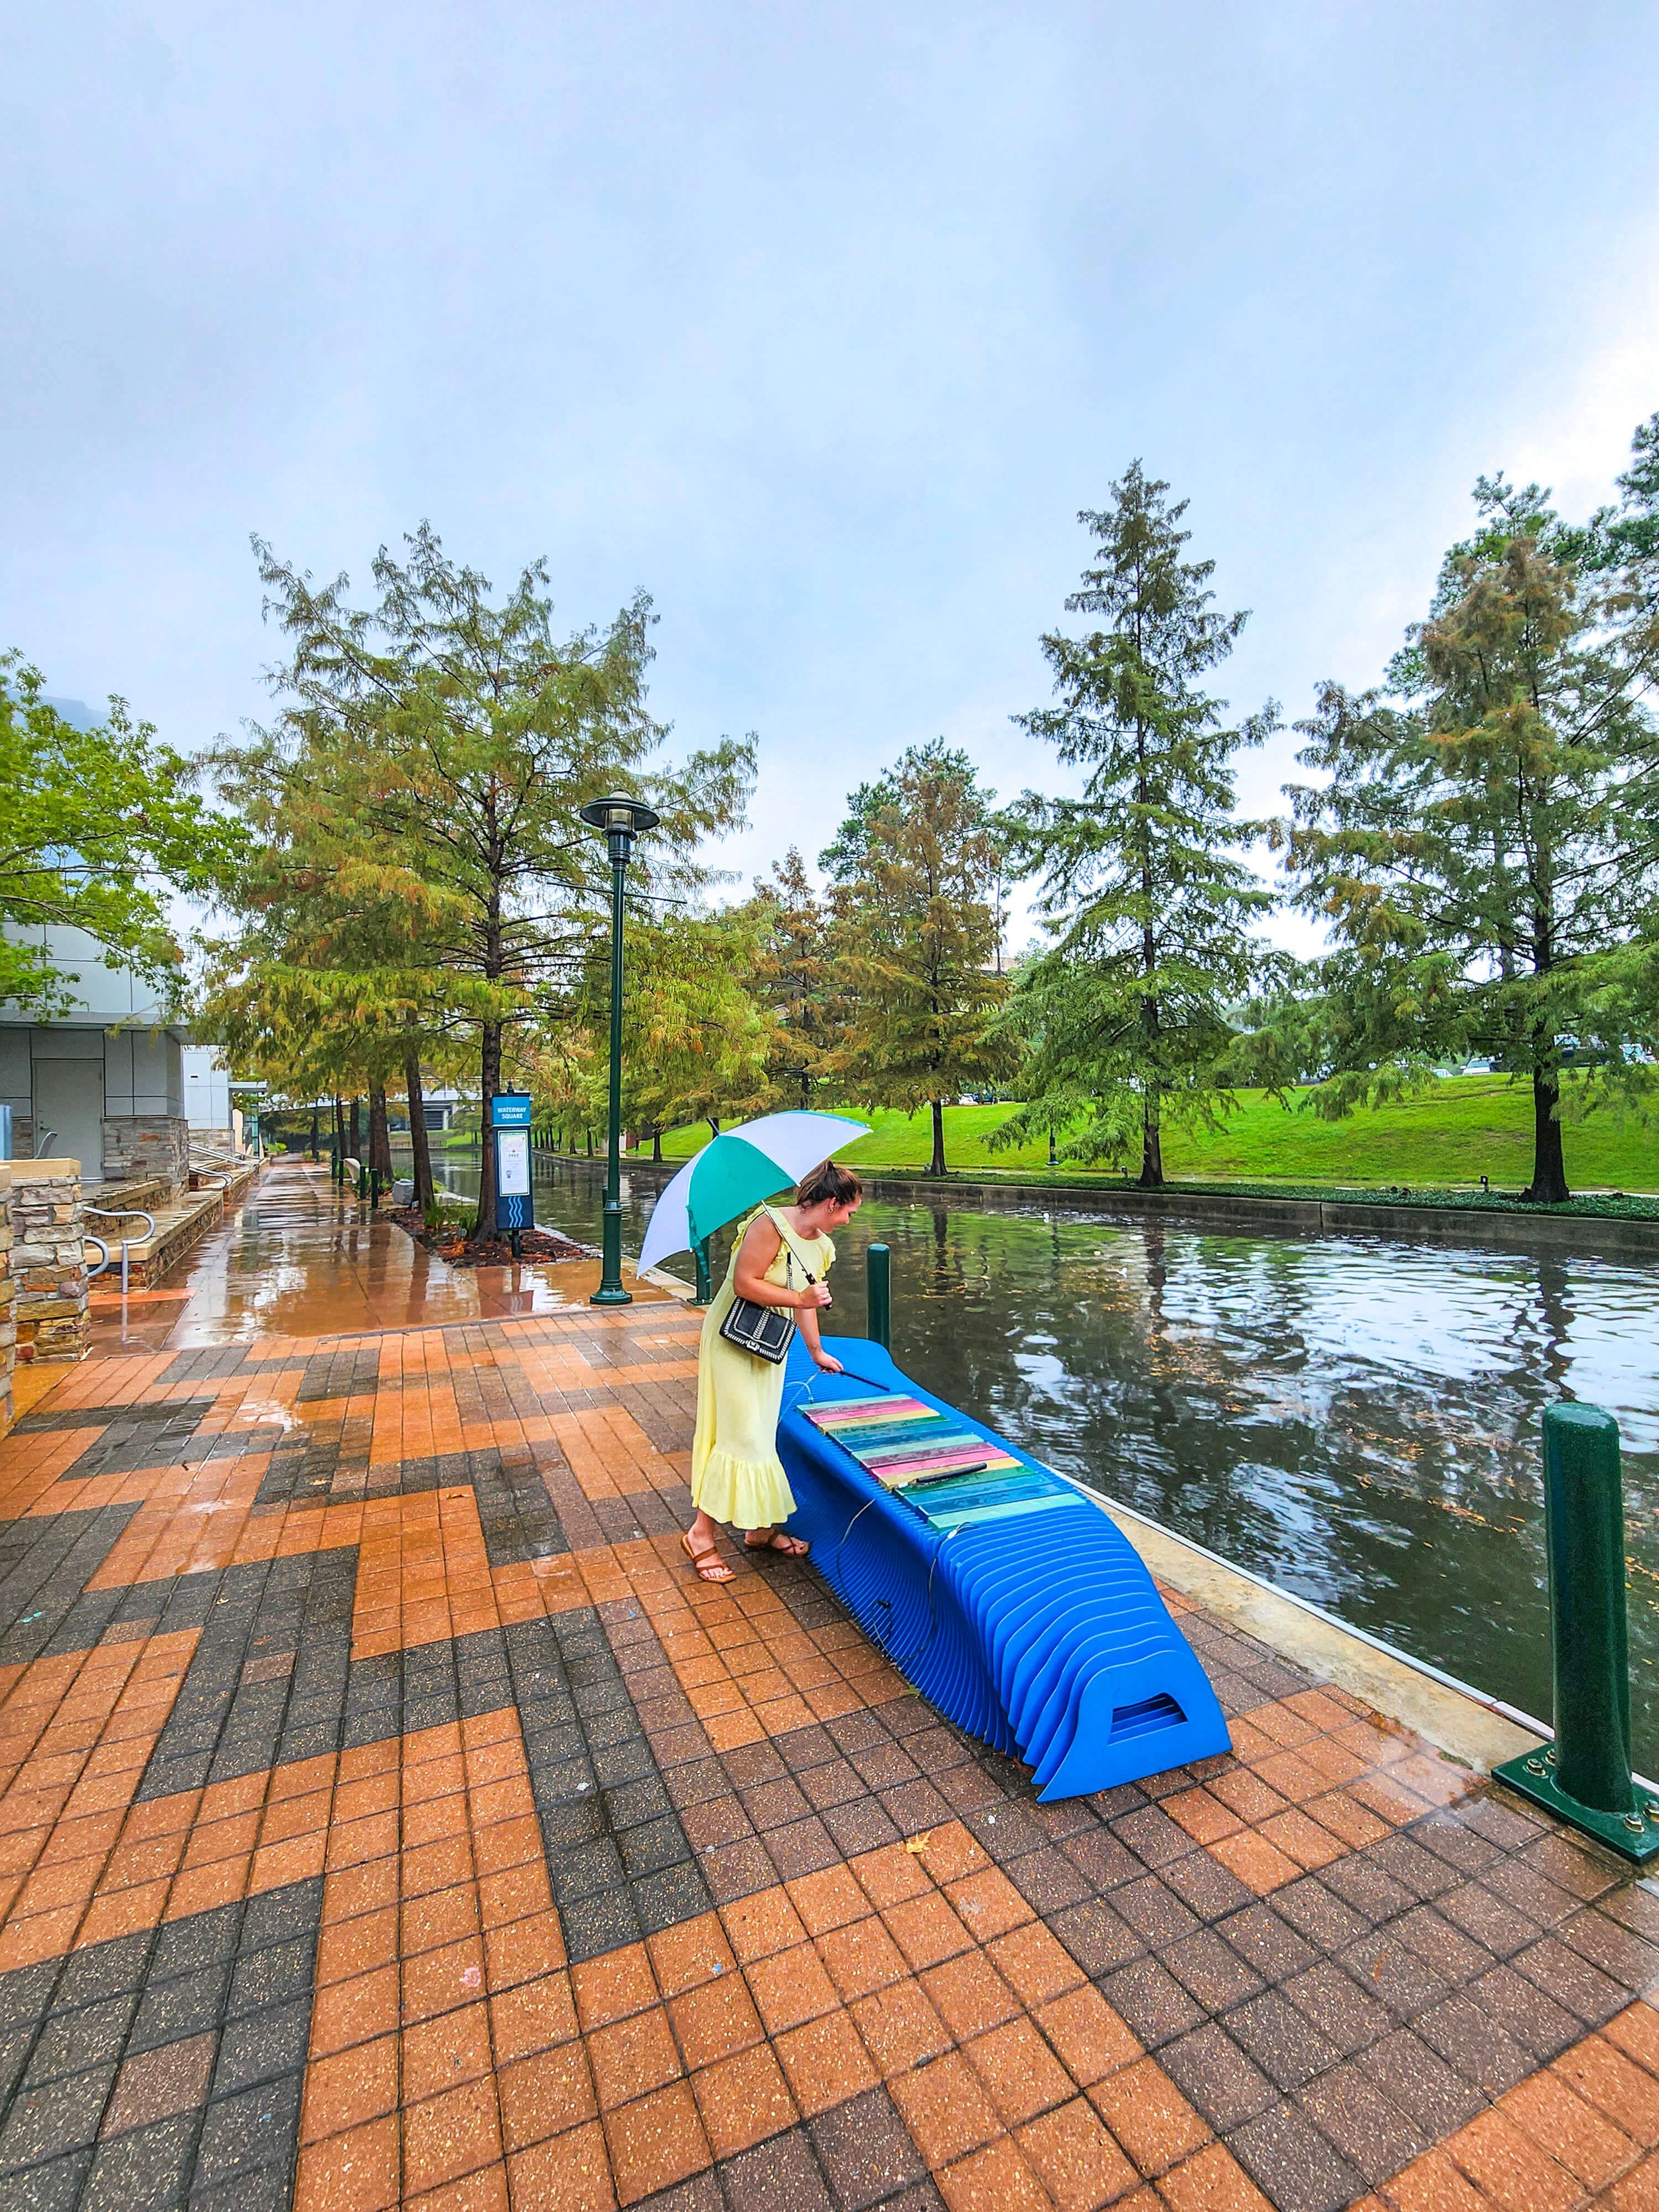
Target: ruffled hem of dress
[(745, 1494)]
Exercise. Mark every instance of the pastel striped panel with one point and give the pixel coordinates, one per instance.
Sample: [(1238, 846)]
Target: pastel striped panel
[(910, 1445), (902, 1442)]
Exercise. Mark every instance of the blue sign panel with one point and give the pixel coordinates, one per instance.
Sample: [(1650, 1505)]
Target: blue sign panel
[(513, 1211), (510, 1110)]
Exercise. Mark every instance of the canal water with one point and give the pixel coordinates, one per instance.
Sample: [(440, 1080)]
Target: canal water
[(1355, 1418)]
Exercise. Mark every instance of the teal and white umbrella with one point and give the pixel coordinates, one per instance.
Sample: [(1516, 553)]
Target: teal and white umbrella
[(731, 1176)]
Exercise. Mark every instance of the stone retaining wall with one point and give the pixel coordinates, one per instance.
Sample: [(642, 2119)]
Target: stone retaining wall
[(48, 1259), (139, 1146)]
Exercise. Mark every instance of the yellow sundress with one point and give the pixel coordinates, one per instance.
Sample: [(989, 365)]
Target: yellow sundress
[(736, 1476)]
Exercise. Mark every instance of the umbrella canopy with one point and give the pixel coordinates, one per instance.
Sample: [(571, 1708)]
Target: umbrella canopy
[(739, 1169)]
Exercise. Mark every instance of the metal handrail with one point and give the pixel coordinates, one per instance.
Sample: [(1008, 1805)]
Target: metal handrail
[(120, 1213), (87, 1237)]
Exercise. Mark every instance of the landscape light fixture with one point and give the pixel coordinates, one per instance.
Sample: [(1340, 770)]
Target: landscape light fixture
[(622, 820)]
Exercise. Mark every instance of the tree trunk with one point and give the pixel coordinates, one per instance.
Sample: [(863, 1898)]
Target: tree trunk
[(590, 1144), (1549, 1168), (489, 1069), (355, 1150), (420, 1145), (936, 1165), (380, 1136), (339, 1129), (1151, 1145), (656, 1144)]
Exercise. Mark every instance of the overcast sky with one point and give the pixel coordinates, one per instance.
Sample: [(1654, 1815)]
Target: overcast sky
[(819, 325)]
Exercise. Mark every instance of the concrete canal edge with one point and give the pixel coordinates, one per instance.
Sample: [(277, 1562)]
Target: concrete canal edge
[(1477, 1729), (1608, 1236)]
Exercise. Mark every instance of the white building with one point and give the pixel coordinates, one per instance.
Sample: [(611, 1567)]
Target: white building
[(212, 1111), (104, 1085), (206, 1091), (439, 1107)]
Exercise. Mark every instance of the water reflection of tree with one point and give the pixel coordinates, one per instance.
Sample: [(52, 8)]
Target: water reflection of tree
[(1552, 1302), (944, 1274), (1158, 1276)]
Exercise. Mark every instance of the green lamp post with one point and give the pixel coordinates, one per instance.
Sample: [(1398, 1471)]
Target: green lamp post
[(622, 821)]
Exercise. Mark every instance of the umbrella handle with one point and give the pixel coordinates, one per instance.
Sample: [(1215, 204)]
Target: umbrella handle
[(885, 1388)]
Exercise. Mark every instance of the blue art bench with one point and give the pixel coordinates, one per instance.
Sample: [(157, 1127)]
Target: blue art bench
[(1008, 1597)]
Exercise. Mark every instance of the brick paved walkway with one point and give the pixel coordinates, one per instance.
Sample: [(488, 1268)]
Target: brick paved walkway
[(388, 1815)]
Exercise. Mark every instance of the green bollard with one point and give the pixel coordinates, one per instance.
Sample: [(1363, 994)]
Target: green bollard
[(705, 1288), (1584, 1776), (1584, 1506), (879, 1321)]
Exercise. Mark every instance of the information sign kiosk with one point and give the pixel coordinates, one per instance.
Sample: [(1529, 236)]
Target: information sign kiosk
[(509, 1117)]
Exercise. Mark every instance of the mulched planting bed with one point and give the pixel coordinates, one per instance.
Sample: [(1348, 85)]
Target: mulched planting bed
[(450, 1242)]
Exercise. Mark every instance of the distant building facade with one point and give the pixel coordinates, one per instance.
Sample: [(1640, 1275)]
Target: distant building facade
[(439, 1108)]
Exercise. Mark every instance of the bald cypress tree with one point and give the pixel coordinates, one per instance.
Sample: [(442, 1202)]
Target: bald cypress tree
[(916, 938), (792, 978), (431, 752)]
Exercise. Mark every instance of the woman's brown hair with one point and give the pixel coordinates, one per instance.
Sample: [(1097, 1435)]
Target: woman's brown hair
[(839, 1185)]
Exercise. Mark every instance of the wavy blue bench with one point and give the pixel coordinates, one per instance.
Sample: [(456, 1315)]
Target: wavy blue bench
[(1008, 1597)]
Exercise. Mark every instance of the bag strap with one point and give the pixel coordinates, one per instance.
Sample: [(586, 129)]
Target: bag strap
[(788, 1236)]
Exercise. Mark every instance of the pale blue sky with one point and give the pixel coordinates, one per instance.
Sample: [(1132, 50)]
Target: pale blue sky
[(818, 324)]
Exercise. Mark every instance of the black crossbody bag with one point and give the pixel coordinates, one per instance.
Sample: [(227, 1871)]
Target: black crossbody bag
[(767, 1332)]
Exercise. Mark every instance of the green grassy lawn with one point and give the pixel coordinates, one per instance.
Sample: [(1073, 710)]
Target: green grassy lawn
[(1463, 1128)]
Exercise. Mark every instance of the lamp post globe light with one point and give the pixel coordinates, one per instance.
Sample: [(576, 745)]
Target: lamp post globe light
[(622, 820)]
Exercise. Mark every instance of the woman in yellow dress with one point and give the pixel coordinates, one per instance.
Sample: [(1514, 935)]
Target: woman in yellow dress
[(737, 1477)]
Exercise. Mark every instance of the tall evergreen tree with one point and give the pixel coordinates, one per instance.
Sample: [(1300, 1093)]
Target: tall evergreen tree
[(1148, 901), (914, 863), (1485, 851), (1623, 541)]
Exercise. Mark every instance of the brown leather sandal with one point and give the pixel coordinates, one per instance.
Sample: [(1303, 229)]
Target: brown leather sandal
[(777, 1539), (709, 1565)]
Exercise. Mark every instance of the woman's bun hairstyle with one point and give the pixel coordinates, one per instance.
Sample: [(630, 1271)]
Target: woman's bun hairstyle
[(827, 1181)]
